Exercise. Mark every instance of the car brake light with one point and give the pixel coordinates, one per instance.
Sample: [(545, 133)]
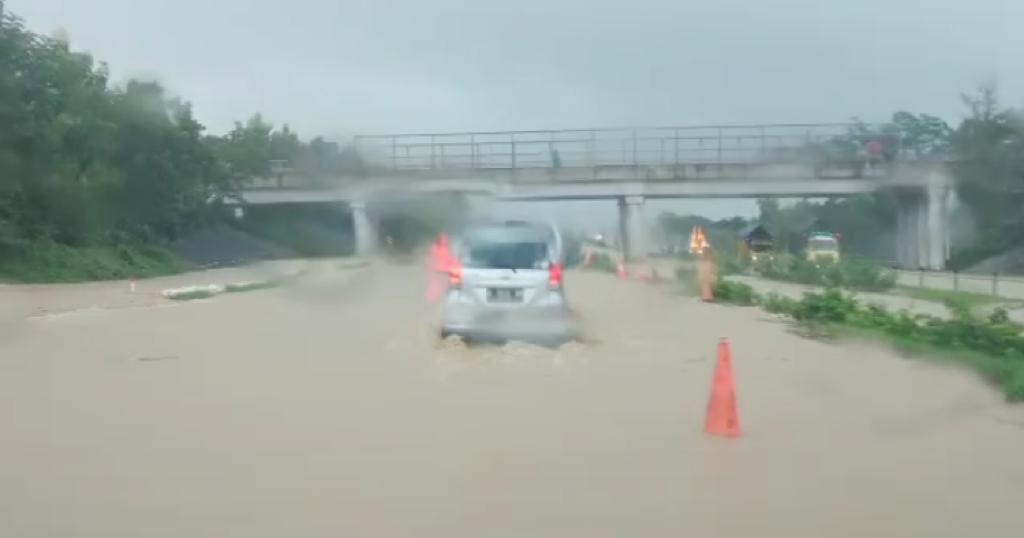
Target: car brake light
[(455, 277), (555, 276)]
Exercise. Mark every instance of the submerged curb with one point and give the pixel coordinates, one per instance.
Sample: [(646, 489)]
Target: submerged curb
[(193, 292)]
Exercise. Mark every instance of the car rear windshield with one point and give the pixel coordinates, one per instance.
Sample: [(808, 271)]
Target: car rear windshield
[(506, 255), (823, 243)]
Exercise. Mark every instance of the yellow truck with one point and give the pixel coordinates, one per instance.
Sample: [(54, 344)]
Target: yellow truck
[(823, 247)]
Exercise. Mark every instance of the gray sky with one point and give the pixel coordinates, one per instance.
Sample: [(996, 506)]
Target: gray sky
[(342, 66)]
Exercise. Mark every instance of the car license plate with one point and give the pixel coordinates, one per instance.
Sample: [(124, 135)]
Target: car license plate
[(504, 295)]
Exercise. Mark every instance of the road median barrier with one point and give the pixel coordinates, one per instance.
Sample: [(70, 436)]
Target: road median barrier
[(237, 287), (205, 291)]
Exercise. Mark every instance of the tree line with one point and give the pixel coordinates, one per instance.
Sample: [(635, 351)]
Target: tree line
[(85, 162)]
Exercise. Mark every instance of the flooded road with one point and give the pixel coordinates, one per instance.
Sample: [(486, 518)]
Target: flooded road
[(329, 408)]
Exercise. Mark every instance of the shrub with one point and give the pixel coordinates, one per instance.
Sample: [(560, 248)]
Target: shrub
[(992, 345), (831, 306), (778, 304), (739, 293)]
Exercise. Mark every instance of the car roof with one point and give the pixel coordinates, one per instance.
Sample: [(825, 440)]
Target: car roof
[(500, 234)]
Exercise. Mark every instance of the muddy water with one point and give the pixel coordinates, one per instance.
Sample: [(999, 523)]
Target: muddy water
[(329, 408)]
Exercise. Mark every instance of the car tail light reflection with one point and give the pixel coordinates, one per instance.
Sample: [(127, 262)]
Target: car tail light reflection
[(555, 276), (455, 277)]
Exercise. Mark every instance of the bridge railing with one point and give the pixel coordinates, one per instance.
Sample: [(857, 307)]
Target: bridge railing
[(653, 146)]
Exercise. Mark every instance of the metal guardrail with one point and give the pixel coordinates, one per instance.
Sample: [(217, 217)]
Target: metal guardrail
[(716, 145), (997, 284)]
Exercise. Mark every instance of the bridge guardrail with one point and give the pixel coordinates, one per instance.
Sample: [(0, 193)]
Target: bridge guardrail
[(655, 146)]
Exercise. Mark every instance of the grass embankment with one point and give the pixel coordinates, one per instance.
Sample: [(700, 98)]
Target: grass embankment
[(991, 345), (966, 298), (54, 262), (265, 234)]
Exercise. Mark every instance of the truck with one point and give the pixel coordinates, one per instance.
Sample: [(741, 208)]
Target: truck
[(822, 247)]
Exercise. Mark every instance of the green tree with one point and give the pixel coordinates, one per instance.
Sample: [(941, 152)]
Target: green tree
[(988, 152)]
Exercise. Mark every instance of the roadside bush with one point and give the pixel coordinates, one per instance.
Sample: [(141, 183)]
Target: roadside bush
[(778, 304), (735, 292), (832, 306), (48, 261), (992, 345)]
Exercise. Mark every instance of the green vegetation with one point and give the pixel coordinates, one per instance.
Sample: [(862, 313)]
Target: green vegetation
[(47, 261), (966, 299), (730, 291), (987, 154), (95, 177), (857, 274), (992, 345)]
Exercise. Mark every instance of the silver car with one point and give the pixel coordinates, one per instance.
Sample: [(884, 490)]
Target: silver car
[(508, 284)]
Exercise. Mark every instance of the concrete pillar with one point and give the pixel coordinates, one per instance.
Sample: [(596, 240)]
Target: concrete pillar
[(909, 231), (363, 229), (937, 219), (922, 233), (631, 227), (902, 258)]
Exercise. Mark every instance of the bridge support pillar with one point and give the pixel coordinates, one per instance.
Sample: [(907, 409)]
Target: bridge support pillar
[(938, 224), (363, 229), (631, 227), (922, 227)]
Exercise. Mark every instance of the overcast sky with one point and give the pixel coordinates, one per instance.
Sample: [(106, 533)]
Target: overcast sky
[(341, 66)]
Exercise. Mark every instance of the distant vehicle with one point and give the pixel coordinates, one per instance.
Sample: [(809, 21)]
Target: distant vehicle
[(822, 247), (756, 244), (507, 284)]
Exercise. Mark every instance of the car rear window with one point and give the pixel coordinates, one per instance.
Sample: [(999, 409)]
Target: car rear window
[(506, 255), (823, 243)]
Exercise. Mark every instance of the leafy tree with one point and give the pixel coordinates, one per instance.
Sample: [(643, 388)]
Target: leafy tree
[(988, 153)]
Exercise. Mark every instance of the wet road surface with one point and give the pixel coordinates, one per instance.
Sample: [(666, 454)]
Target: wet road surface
[(329, 408)]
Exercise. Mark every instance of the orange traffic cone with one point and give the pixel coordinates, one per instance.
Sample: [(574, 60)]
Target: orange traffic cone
[(621, 270), (723, 416)]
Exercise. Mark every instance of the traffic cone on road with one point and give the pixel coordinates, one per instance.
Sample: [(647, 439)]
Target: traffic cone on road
[(723, 415)]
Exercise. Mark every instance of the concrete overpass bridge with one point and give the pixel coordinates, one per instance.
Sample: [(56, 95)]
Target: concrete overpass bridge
[(631, 166)]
